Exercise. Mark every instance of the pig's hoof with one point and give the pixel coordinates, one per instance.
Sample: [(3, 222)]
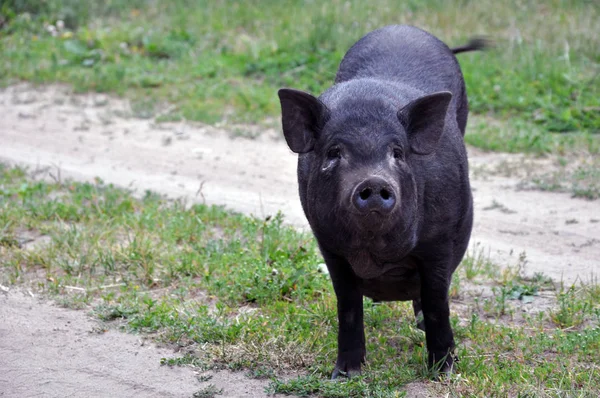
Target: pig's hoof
[(444, 368), (349, 363), (350, 373), (444, 373)]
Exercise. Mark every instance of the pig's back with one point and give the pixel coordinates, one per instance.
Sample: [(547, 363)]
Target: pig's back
[(407, 55), (401, 53)]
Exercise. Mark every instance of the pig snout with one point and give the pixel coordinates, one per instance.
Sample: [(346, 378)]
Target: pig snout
[(374, 195)]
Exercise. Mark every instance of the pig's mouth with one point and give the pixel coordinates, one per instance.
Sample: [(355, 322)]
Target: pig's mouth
[(372, 224), (369, 234)]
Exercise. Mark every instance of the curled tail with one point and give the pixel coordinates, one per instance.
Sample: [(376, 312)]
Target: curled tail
[(475, 44)]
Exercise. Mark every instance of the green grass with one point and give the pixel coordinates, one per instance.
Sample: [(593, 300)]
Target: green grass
[(225, 60), (517, 135), (246, 294)]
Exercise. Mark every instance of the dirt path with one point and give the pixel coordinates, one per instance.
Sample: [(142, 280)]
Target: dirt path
[(87, 136), (46, 351)]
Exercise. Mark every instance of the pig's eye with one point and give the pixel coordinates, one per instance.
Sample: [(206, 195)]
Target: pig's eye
[(334, 153), (398, 154)]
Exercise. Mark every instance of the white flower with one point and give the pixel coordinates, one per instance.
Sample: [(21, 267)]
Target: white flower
[(322, 268)]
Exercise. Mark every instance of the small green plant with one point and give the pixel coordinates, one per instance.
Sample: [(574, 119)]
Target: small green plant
[(572, 309), (477, 263), (209, 391), (261, 373), (501, 294), (182, 361)]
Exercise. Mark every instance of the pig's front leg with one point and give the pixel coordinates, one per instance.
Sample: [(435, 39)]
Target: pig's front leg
[(435, 282), (351, 334)]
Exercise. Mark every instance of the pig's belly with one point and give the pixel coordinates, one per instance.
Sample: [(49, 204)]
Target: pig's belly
[(397, 284)]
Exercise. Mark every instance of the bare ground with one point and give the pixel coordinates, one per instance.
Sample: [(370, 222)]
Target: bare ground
[(86, 136), (49, 351)]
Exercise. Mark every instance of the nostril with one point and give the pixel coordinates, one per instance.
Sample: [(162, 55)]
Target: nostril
[(365, 193), (385, 194)]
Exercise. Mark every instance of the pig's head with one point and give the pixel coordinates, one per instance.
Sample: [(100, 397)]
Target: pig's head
[(357, 176)]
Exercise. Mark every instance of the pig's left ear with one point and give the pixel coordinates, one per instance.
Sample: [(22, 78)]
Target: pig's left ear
[(424, 120), (302, 117)]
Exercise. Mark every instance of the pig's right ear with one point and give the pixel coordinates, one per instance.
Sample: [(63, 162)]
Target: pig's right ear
[(302, 117)]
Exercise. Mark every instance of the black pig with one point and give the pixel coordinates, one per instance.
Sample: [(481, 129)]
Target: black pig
[(383, 181)]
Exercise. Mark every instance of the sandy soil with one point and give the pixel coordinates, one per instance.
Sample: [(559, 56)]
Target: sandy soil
[(87, 136), (46, 351)]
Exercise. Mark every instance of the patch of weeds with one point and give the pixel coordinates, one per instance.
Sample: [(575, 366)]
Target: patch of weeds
[(478, 263), (261, 373), (186, 360), (582, 181), (315, 385), (8, 241), (144, 108), (100, 329), (76, 301), (209, 391), (113, 312), (572, 309), (514, 272), (522, 292), (509, 284), (514, 290)]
